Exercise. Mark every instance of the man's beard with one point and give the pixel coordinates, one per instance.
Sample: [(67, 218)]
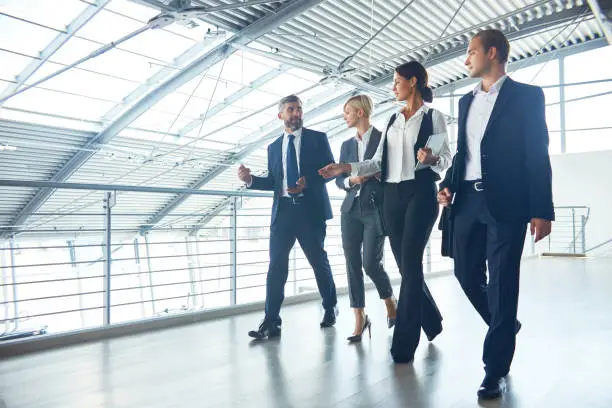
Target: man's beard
[(294, 125)]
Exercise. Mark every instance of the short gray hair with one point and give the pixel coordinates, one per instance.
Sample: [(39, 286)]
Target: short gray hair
[(288, 99)]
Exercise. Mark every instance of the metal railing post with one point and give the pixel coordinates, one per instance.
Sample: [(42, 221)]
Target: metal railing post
[(13, 282), (141, 283), (73, 260), (109, 203), (233, 248), (151, 288), (549, 235), (192, 278), (574, 229), (200, 271), (582, 233), (5, 294), (562, 124)]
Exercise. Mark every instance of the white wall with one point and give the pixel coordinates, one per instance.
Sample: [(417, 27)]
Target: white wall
[(584, 179)]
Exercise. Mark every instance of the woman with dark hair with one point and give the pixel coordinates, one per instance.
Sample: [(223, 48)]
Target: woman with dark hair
[(409, 171)]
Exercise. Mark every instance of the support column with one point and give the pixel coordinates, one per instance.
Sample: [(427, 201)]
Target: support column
[(14, 284), (151, 288), (562, 104), (75, 267), (109, 203), (233, 248)]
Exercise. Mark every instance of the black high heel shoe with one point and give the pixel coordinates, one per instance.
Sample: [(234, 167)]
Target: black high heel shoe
[(391, 320), (367, 324)]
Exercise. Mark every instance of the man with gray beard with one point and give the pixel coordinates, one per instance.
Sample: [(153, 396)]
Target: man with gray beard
[(300, 210)]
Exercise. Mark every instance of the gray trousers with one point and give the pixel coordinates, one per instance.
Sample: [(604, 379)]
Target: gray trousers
[(362, 228)]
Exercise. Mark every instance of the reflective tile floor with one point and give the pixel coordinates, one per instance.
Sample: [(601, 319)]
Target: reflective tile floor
[(562, 359)]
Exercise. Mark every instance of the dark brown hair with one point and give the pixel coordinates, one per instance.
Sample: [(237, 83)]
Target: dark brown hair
[(496, 39), (415, 69)]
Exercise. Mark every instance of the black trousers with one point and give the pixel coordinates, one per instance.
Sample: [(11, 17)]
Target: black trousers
[(293, 222), (361, 228), (479, 239), (410, 210)]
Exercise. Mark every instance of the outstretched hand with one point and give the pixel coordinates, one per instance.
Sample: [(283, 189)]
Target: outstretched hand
[(301, 185), (334, 170)]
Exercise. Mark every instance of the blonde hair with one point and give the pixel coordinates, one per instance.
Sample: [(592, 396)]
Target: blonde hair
[(361, 102)]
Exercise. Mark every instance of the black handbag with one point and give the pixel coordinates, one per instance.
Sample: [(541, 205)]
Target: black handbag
[(377, 202)]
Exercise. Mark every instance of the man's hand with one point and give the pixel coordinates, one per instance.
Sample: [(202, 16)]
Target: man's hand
[(425, 156), (334, 170), (358, 180), (540, 228), (445, 197), (244, 174), (301, 185)]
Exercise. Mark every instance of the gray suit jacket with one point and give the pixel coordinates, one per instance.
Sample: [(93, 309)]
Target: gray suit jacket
[(349, 154)]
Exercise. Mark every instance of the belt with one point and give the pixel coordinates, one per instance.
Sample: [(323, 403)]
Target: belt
[(292, 200), (472, 186)]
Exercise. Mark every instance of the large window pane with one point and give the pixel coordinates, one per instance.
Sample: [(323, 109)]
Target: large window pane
[(589, 65), (540, 74), (589, 140), (589, 113)]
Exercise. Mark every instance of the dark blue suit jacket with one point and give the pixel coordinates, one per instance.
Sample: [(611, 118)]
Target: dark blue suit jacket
[(516, 169), (314, 154)]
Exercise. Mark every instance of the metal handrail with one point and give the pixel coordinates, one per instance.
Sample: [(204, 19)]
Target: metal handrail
[(163, 268)]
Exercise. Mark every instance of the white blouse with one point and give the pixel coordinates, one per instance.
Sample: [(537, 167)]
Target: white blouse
[(402, 136)]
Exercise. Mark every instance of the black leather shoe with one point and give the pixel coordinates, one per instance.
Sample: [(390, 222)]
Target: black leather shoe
[(329, 318), (265, 330), (402, 359), (491, 388)]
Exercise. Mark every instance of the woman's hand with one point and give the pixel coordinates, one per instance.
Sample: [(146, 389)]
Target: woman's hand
[(334, 170), (425, 156)]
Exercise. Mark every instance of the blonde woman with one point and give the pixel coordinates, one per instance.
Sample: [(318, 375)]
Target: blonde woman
[(360, 223)]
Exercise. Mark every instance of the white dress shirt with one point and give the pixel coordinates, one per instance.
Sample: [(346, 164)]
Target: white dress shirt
[(298, 143), (402, 136), (477, 119), (362, 146)]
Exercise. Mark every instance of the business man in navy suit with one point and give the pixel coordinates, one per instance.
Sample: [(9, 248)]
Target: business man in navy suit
[(300, 210), (499, 182)]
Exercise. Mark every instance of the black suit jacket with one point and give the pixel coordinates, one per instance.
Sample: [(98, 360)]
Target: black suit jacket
[(349, 154), (516, 171), (314, 154)]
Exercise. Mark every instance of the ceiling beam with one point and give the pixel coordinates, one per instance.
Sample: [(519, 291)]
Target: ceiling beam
[(525, 63), (247, 89), (260, 27), (58, 42), (605, 25)]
